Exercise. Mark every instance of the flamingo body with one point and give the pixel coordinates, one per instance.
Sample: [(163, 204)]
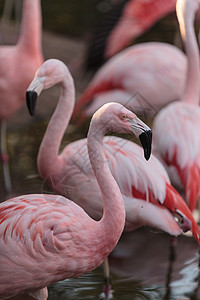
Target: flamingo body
[(144, 78), (39, 232), (181, 157), (18, 63), (46, 238)]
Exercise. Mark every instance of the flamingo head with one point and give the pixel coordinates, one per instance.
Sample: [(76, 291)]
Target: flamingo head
[(50, 73), (115, 117)]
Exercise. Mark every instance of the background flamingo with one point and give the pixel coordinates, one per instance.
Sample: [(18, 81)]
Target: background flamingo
[(182, 156), (124, 23), (148, 195), (144, 78), (40, 229), (17, 67)]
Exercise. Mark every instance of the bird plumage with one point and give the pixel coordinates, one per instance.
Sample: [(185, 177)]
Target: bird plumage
[(69, 172), (144, 78), (46, 238), (181, 155)]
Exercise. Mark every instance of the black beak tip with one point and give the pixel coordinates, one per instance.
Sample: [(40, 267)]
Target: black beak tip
[(31, 98), (146, 141)]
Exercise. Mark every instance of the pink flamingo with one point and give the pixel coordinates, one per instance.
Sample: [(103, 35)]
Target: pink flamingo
[(137, 16), (129, 20), (126, 21), (182, 156), (70, 172), (144, 78), (17, 67), (50, 237)]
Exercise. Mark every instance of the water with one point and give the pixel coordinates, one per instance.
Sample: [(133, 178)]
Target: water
[(141, 270)]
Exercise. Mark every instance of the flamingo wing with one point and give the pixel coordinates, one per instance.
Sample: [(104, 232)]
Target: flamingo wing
[(180, 152), (34, 231), (146, 181), (124, 76), (138, 180)]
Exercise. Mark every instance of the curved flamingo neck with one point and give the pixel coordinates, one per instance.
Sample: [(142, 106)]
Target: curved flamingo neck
[(31, 27), (186, 16), (48, 156), (113, 220)]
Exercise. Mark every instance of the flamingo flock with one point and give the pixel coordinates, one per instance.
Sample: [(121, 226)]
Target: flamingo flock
[(101, 185)]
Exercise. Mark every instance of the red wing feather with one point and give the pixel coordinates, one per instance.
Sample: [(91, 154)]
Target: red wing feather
[(174, 202), (192, 186)]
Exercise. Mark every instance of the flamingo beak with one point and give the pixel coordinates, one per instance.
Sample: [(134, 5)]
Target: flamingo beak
[(184, 223), (33, 91), (146, 141), (31, 98), (144, 133)]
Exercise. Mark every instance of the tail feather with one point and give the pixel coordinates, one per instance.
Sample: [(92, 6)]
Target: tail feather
[(175, 202)]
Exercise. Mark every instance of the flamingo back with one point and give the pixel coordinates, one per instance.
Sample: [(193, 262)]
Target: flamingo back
[(149, 76), (42, 240), (178, 146)]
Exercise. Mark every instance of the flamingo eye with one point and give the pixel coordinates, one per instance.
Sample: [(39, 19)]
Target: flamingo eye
[(123, 116)]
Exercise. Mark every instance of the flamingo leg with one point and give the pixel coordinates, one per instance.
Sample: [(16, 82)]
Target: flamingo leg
[(198, 209), (4, 159), (172, 258), (41, 294), (107, 292)]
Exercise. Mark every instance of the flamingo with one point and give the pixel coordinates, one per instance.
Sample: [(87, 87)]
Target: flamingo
[(149, 197), (18, 64), (144, 78), (181, 156), (128, 20), (136, 18), (50, 237)]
